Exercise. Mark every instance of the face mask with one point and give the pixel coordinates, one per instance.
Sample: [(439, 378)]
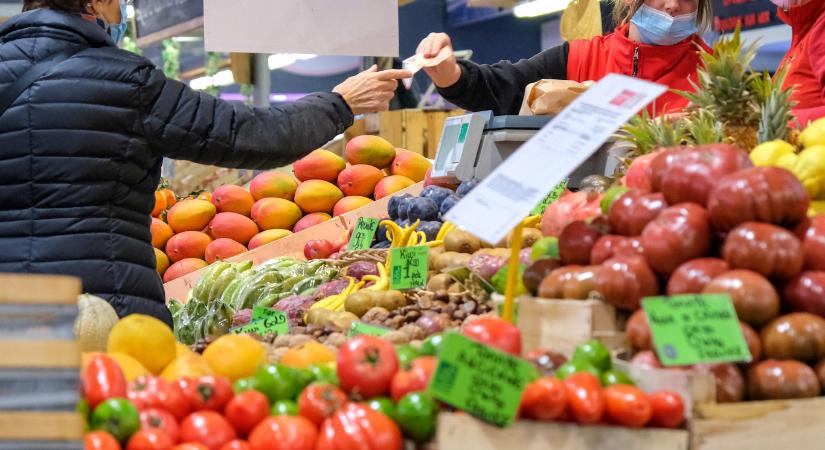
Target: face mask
[(660, 28), (788, 4), (116, 31)]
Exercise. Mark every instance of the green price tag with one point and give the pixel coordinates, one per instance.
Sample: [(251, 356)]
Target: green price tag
[(692, 329), (359, 328), (551, 197), (408, 267), (264, 322), (363, 234), (483, 381)]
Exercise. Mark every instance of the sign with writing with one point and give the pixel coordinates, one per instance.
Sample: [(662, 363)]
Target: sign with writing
[(749, 14), (510, 192), (363, 234), (156, 20), (691, 329), (408, 267), (359, 328), (481, 380), (550, 198), (264, 322)]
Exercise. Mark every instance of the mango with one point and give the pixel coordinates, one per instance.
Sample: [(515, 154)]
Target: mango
[(372, 150), (182, 268), (359, 180), (273, 184), (317, 196), (233, 226), (348, 204), (391, 185), (319, 165), (189, 244), (161, 232), (265, 237), (190, 215), (161, 261), (411, 165), (222, 249), (231, 198), (271, 213), (310, 220)]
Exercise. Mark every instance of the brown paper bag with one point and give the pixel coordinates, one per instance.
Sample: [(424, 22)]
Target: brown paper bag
[(546, 97), (582, 19)]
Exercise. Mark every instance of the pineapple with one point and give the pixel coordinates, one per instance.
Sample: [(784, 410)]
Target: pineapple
[(775, 106), (704, 128), (645, 134)]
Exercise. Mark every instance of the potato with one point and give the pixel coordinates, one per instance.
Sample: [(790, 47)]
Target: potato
[(344, 319), (389, 301), (359, 303), (439, 282), (319, 316)]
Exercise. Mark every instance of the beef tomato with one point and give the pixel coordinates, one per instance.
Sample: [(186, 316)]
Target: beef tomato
[(680, 233)]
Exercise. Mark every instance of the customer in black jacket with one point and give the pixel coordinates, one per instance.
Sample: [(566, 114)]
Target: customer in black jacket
[(81, 148)]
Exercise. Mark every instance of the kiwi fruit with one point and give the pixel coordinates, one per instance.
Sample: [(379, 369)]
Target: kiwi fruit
[(319, 316), (439, 282), (359, 303), (529, 236), (461, 241), (343, 320)]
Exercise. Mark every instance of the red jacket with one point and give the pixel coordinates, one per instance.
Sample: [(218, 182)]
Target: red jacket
[(672, 65), (806, 59)]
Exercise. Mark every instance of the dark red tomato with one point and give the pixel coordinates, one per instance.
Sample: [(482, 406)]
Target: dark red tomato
[(807, 292), (693, 173), (576, 242), (100, 440), (569, 282), (284, 433), (668, 409), (753, 296), (632, 211), (661, 162), (638, 331), (208, 428), (764, 248), (544, 399), (357, 426), (101, 380), (413, 380), (692, 276), (624, 280), (813, 244), (366, 365), (680, 233), (753, 341), (156, 418), (237, 444), (627, 406), (495, 332), (246, 410), (208, 393), (150, 439), (730, 384), (647, 358), (585, 397), (155, 392), (610, 246), (319, 401)]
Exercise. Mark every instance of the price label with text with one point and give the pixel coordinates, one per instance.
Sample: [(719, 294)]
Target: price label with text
[(359, 328), (363, 234), (408, 267), (264, 322), (693, 329)]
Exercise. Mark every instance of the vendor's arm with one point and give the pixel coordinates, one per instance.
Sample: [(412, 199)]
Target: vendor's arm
[(816, 56)]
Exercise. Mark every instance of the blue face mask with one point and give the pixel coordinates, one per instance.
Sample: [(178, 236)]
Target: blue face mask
[(116, 31), (660, 28)]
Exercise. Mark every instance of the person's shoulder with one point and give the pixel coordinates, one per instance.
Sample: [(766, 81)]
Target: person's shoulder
[(121, 64)]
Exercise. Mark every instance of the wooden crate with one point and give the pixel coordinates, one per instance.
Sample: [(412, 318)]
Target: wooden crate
[(187, 177), (463, 432), (416, 130), (766, 425)]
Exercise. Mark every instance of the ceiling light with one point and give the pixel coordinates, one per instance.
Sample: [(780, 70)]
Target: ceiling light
[(536, 8), (222, 78), (130, 12)]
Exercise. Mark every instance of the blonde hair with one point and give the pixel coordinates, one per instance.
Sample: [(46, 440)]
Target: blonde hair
[(622, 13)]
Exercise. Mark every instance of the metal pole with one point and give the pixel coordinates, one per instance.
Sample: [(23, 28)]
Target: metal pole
[(261, 81)]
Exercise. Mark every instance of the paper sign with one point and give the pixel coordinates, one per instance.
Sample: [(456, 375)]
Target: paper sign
[(507, 195), (693, 329), (408, 267), (264, 322), (320, 27), (550, 198), (363, 234), (483, 381), (359, 328)]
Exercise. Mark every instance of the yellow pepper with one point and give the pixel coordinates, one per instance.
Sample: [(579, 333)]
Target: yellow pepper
[(809, 168), (767, 154), (817, 208)]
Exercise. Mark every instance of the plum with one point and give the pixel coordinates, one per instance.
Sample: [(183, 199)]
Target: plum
[(422, 209), (436, 193), (448, 204), (403, 210), (430, 228), (381, 233), (395, 201), (465, 187)]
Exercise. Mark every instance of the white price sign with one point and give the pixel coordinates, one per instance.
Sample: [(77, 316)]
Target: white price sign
[(508, 194)]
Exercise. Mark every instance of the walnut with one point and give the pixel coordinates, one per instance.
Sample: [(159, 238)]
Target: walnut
[(375, 315)]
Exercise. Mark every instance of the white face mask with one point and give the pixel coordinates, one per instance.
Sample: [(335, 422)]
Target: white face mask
[(788, 4)]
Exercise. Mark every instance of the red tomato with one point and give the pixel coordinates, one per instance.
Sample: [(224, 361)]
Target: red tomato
[(284, 433), (237, 444), (155, 418), (414, 380), (544, 399), (208, 428), (100, 440), (366, 365), (150, 439), (208, 392), (584, 395), (102, 379), (627, 406), (357, 426), (246, 410), (155, 392), (319, 401), (668, 409), (190, 446), (495, 332)]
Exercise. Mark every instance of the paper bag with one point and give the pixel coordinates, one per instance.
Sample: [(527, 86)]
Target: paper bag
[(546, 97), (582, 19)]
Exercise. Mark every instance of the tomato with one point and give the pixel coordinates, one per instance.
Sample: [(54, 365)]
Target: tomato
[(585, 397), (319, 401), (116, 416), (357, 426), (208, 393), (383, 405), (813, 242), (102, 379), (627, 406), (244, 384), (190, 446), (637, 331), (632, 211), (495, 332), (155, 418), (100, 440), (807, 292), (284, 408), (416, 415), (595, 353), (692, 276), (415, 379), (764, 248), (667, 408), (680, 233), (284, 433), (697, 170), (237, 444), (150, 439), (279, 382), (366, 365), (406, 354), (246, 410), (570, 282), (544, 399), (753, 296), (609, 246), (624, 280), (155, 392), (577, 241), (208, 428)]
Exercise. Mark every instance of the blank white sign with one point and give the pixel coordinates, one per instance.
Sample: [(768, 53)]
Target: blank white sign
[(321, 27)]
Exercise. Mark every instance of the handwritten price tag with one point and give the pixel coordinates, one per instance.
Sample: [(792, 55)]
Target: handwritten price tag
[(264, 322), (408, 267), (359, 328), (363, 234)]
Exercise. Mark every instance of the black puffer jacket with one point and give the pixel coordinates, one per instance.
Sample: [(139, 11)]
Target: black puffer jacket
[(80, 154)]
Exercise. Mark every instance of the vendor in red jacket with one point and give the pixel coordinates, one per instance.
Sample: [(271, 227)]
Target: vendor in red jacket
[(805, 60), (657, 40)]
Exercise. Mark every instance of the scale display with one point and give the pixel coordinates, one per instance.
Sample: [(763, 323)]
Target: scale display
[(460, 137)]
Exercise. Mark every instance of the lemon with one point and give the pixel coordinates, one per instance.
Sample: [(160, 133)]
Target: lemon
[(814, 134), (131, 367), (235, 356), (767, 154), (182, 349), (191, 365), (144, 338)]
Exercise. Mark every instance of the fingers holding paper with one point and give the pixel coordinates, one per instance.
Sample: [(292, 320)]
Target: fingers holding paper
[(371, 90)]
